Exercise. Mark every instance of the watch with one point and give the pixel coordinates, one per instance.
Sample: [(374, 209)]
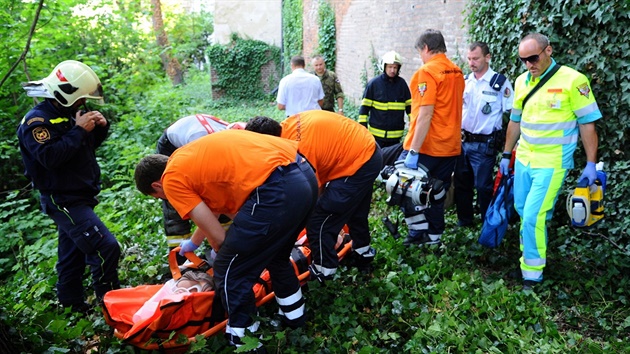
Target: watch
[(340, 110), (413, 152)]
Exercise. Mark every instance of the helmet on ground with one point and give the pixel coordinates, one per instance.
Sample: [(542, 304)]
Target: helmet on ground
[(390, 58), (69, 81)]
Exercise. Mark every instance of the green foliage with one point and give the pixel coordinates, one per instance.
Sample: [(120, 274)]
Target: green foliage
[(292, 40), (190, 36), (238, 67), (327, 33)]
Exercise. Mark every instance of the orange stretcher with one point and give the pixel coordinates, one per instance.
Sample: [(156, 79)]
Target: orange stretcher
[(152, 317)]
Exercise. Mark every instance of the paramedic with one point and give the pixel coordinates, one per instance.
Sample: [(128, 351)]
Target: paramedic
[(268, 190), (547, 128), (58, 143), (178, 134), (434, 137), (346, 160)]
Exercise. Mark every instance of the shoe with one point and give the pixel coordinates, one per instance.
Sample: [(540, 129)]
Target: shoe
[(422, 239), (82, 308), (465, 223), (529, 285), (363, 262)]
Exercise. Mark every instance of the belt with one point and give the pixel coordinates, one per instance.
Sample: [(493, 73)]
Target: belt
[(469, 137)]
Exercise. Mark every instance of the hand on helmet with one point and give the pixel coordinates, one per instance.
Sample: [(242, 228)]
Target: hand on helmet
[(589, 173)]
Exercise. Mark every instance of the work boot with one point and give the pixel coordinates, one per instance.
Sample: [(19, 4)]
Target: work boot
[(422, 239), (363, 261)]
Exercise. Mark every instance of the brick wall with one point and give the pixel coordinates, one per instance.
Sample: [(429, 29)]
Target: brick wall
[(367, 29)]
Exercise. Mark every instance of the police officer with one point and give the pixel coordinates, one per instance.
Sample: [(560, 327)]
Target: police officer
[(487, 96), (58, 143)]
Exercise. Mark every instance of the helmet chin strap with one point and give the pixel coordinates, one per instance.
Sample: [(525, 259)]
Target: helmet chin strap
[(66, 111)]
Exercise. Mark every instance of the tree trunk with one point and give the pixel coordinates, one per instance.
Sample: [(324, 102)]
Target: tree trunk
[(171, 65)]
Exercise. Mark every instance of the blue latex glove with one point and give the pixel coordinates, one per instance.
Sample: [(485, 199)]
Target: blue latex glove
[(411, 161), (187, 246), (589, 173), (504, 166)]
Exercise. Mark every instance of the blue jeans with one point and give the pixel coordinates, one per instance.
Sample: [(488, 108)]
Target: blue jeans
[(474, 171)]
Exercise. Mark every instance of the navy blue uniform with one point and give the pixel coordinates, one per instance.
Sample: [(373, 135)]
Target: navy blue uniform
[(60, 160)]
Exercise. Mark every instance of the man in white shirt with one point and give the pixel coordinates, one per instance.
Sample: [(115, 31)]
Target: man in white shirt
[(299, 91)]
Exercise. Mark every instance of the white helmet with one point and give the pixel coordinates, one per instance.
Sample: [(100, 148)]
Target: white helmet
[(69, 81), (390, 58)]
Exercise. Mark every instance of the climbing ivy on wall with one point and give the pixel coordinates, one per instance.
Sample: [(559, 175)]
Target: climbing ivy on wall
[(238, 66), (327, 34), (292, 24)]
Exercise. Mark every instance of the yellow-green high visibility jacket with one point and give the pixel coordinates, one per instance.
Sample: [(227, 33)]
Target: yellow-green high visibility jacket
[(549, 121)]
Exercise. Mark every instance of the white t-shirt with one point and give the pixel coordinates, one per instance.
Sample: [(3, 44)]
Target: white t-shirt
[(193, 127), (299, 92)]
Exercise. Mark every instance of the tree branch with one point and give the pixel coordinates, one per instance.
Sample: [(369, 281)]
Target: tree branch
[(28, 42)]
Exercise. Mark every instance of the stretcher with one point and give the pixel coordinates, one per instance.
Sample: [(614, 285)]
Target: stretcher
[(167, 318)]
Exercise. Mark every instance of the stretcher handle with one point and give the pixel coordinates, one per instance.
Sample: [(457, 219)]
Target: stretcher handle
[(191, 256)]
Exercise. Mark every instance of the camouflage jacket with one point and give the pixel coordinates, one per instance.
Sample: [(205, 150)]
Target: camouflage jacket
[(332, 89)]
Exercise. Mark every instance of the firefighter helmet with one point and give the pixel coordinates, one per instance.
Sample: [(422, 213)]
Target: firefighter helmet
[(390, 58), (69, 81)]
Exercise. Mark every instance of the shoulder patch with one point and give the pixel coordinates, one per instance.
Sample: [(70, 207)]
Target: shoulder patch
[(584, 90), (33, 120), (422, 88), (507, 92), (41, 134)]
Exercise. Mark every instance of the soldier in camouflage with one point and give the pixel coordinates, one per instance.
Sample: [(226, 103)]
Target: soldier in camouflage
[(331, 85)]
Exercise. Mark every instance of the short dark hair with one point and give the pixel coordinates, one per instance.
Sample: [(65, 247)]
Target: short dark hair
[(434, 41), (541, 39), (264, 125), (298, 61), (485, 50), (149, 170)]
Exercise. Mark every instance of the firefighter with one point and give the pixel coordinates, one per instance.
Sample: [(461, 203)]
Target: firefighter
[(386, 99), (58, 143)]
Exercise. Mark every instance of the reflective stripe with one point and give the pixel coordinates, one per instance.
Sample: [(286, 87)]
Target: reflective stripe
[(386, 133), (417, 222), (363, 118), (535, 262), (435, 237), (532, 274), (549, 126), (385, 106), (297, 313), (176, 240), (416, 218), (516, 112), (593, 107), (240, 331), (562, 140), (291, 299), (324, 271), (362, 250)]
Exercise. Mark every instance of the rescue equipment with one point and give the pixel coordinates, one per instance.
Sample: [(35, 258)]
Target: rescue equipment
[(414, 185), (585, 204)]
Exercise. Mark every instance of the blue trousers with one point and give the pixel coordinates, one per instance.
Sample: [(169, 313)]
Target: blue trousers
[(83, 240), (474, 171), (344, 201), (262, 236)]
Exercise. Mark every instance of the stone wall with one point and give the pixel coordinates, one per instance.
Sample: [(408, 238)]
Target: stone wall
[(367, 29)]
